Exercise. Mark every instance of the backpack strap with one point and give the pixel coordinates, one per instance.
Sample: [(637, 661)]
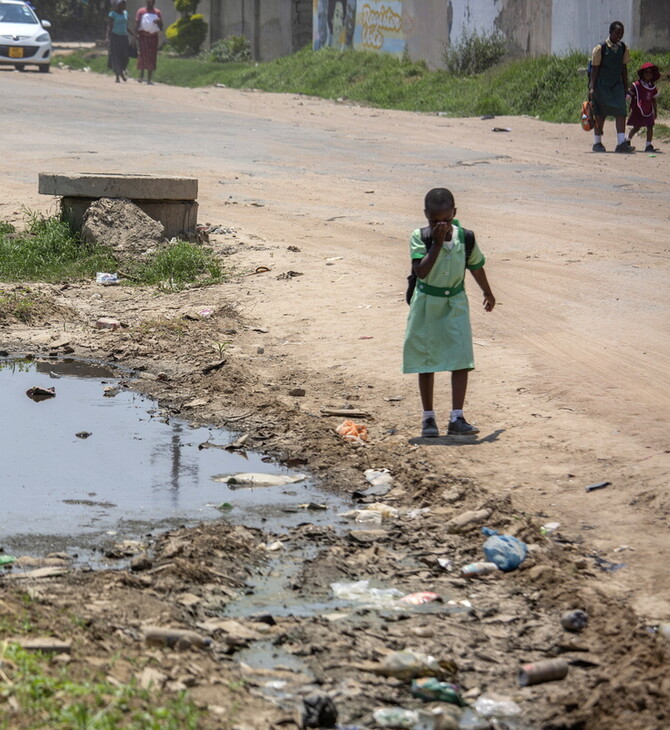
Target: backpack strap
[(469, 244)]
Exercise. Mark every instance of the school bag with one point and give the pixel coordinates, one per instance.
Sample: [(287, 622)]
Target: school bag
[(465, 235)]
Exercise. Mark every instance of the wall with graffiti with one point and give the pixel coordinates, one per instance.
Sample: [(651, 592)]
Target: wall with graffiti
[(369, 25)]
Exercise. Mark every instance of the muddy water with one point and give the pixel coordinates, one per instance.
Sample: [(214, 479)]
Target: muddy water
[(139, 470)]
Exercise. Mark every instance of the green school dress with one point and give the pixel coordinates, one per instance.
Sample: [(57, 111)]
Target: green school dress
[(438, 335), (609, 94)]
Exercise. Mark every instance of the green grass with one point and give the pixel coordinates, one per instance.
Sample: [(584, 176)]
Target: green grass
[(48, 251), (51, 697), (548, 87)]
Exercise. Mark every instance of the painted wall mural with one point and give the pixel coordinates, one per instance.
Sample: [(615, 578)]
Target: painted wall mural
[(366, 25)]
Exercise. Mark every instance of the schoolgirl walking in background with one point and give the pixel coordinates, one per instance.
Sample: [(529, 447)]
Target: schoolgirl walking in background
[(643, 109)]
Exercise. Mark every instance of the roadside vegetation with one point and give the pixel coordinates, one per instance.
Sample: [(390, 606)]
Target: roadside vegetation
[(549, 87), (47, 250)]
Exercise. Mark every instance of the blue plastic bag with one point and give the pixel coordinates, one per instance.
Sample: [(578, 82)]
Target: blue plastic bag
[(505, 551)]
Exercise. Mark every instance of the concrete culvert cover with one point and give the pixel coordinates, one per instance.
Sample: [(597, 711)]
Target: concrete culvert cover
[(122, 226)]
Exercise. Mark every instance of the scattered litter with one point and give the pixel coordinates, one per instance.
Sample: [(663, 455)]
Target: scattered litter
[(180, 639), (240, 481), (352, 432), (110, 391), (319, 712), (205, 313), (289, 275), (39, 394), (225, 507), (395, 717), (607, 565), (501, 129), (335, 258), (447, 564), (238, 443), (6, 559), (431, 689), (313, 506), (549, 528), (360, 591), (379, 477), (540, 672), (293, 249), (409, 664), (102, 277), (83, 434), (274, 547), (597, 485), (574, 621), (493, 706), (420, 598), (481, 568), (505, 551), (108, 323), (374, 513)]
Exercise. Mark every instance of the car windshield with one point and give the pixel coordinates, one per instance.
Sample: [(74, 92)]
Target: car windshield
[(10, 13)]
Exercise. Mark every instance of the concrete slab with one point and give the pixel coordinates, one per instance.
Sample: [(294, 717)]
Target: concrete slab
[(133, 187)]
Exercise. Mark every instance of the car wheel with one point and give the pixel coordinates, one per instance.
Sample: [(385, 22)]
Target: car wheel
[(44, 68), (20, 66)]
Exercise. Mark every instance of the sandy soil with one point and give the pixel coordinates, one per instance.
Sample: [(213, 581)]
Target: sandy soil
[(571, 382)]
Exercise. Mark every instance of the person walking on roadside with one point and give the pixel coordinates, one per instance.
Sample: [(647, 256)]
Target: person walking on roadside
[(607, 87), (117, 40), (438, 336), (643, 110), (148, 22)]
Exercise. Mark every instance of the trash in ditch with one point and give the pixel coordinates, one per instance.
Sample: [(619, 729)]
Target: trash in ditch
[(574, 621), (540, 672), (313, 506), (607, 565), (107, 323), (395, 717), (472, 570), (319, 712), (238, 443), (549, 528), (83, 434), (7, 559), (39, 394), (360, 591), (374, 513), (597, 485), (225, 507), (352, 432), (420, 598), (205, 313), (379, 477), (409, 664), (102, 277), (431, 689), (240, 481), (505, 551), (273, 547), (494, 706), (180, 639)]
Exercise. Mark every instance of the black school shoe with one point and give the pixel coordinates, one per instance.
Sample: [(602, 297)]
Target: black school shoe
[(599, 147), (460, 427), (429, 429), (625, 147)]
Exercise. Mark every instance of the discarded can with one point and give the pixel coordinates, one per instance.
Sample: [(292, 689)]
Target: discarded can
[(540, 672), (574, 620), (482, 568), (175, 638)]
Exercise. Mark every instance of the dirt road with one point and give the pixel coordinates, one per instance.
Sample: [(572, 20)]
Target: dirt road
[(571, 384)]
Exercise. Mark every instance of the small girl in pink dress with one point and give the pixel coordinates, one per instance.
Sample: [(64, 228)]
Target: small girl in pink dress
[(642, 95)]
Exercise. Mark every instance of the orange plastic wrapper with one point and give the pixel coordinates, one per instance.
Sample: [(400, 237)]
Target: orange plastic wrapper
[(418, 599), (353, 432)]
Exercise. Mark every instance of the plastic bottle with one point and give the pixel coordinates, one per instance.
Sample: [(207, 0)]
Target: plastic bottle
[(432, 689), (540, 672), (395, 717), (482, 568)]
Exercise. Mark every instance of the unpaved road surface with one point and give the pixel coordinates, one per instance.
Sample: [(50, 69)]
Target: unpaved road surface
[(571, 383)]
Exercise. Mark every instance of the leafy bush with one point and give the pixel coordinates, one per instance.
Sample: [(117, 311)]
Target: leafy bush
[(474, 53), (226, 50), (187, 34)]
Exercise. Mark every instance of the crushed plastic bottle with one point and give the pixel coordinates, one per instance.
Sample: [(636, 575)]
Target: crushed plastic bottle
[(410, 664), (506, 551), (488, 706), (432, 689), (395, 717), (481, 568)]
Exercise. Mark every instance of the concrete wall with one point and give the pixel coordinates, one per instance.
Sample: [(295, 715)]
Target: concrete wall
[(580, 26), (653, 24)]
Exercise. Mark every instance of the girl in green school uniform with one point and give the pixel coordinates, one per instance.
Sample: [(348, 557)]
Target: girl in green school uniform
[(438, 335)]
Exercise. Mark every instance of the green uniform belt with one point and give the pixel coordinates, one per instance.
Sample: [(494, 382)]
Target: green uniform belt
[(435, 291)]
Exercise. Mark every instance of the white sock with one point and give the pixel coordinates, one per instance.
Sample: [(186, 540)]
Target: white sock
[(620, 137), (455, 414), (649, 144), (428, 414), (597, 138)]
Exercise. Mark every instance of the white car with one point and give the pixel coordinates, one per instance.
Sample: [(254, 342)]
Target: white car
[(24, 39)]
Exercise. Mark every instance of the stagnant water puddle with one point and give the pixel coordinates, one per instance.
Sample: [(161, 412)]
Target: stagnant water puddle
[(97, 464)]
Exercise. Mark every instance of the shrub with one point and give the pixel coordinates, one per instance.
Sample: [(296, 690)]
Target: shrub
[(187, 35), (231, 48), (474, 53)]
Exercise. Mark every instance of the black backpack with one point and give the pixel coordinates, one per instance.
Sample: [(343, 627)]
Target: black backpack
[(427, 239)]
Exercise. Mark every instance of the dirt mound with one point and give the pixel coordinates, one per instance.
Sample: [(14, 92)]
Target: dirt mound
[(120, 225)]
